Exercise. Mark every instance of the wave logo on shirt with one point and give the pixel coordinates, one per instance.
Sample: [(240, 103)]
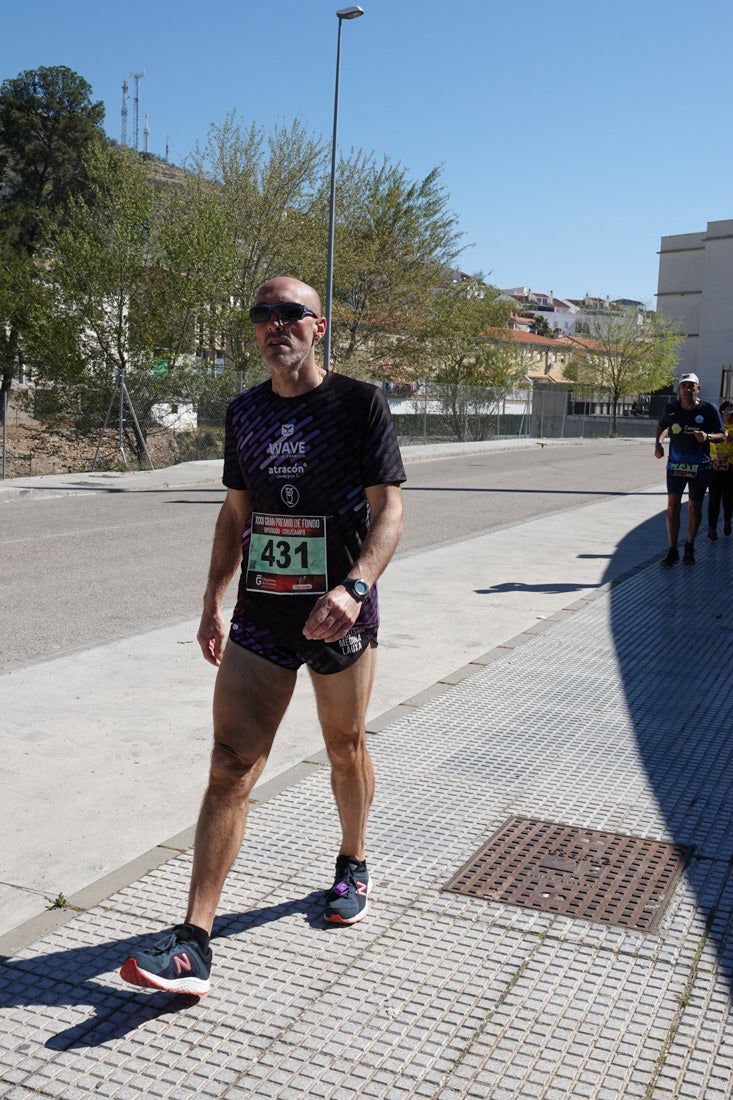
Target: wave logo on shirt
[(288, 455)]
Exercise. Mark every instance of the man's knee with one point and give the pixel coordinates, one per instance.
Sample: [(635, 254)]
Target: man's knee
[(346, 750), (232, 767)]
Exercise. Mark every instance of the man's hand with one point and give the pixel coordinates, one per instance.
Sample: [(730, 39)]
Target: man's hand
[(658, 450), (212, 635), (333, 616)]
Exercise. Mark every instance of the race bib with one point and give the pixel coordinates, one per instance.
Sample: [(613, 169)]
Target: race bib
[(287, 555), (683, 469)]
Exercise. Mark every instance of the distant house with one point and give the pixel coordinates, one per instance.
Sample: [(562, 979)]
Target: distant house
[(541, 358)]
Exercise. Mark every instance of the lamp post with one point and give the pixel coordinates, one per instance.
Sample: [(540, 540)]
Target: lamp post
[(345, 13)]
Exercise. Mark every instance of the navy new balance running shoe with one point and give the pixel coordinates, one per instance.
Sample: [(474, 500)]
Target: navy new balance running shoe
[(346, 902), (176, 964)]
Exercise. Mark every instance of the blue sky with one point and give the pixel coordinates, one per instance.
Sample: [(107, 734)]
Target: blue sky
[(573, 135)]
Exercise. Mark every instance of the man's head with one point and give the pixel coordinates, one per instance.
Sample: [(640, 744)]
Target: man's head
[(688, 389), (286, 335)]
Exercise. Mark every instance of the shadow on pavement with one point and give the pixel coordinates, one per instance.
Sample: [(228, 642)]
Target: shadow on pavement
[(80, 976), (673, 637)]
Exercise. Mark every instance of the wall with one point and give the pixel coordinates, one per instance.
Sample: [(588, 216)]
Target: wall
[(695, 287)]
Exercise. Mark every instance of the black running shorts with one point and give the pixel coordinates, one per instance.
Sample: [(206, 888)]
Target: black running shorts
[(695, 486), (293, 650)]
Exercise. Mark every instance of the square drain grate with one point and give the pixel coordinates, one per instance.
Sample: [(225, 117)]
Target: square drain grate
[(581, 873)]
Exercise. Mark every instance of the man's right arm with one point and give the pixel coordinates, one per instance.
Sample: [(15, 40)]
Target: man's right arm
[(226, 557), (662, 426)]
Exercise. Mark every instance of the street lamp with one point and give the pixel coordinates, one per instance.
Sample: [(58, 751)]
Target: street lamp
[(345, 13)]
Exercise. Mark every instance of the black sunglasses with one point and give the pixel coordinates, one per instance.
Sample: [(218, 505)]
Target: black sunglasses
[(284, 311)]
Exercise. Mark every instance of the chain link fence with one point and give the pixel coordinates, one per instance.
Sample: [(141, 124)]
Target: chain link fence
[(137, 422)]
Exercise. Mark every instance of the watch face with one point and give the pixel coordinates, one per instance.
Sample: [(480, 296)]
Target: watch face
[(361, 589)]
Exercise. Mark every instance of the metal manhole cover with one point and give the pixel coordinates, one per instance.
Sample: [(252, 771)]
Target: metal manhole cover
[(586, 874)]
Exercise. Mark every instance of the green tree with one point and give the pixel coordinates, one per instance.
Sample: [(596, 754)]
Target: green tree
[(47, 123), (101, 276), (98, 265), (463, 351), (395, 238), (541, 326), (627, 352), (263, 193)]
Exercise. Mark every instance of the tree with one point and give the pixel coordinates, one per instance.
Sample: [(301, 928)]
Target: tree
[(462, 350), (265, 194), (108, 312), (395, 239), (629, 351), (541, 326), (47, 124)]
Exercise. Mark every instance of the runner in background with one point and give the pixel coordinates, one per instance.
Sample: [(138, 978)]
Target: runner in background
[(720, 488), (691, 425)]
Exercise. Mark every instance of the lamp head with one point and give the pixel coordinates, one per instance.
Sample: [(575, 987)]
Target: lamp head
[(350, 13)]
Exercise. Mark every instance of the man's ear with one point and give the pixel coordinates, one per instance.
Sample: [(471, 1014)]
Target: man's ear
[(321, 325)]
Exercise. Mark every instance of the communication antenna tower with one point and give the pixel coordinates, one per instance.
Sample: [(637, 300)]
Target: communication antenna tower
[(146, 132), (125, 98), (137, 77)]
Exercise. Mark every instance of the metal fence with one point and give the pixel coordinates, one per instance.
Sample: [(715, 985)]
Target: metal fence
[(139, 423)]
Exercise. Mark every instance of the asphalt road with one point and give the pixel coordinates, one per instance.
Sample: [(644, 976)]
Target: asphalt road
[(80, 570)]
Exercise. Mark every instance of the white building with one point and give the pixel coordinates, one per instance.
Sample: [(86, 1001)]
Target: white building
[(695, 288)]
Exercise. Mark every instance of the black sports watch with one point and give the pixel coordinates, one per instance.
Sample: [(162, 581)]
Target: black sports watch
[(358, 588)]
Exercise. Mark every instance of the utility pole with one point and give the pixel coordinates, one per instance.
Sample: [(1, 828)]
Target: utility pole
[(137, 77), (125, 98)]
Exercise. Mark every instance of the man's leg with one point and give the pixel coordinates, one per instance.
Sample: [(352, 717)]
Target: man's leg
[(694, 516), (342, 701), (250, 699), (715, 493), (674, 505), (696, 490), (727, 501)]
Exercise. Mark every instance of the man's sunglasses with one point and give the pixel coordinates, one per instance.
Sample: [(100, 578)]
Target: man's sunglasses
[(284, 311)]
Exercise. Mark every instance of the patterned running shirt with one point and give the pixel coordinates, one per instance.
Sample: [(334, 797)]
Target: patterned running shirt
[(306, 462)]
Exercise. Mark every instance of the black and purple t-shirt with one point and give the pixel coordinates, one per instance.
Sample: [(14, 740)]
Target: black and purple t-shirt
[(305, 463)]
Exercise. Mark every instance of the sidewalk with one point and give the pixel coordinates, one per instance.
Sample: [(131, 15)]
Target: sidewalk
[(608, 712)]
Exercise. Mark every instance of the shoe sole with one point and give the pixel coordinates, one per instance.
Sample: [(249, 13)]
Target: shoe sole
[(135, 975)]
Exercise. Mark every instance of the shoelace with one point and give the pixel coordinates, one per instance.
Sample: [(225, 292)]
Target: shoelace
[(345, 882)]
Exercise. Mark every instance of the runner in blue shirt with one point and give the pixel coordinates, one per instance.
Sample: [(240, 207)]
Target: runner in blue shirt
[(691, 425)]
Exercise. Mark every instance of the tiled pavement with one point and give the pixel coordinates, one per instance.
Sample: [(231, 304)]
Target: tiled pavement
[(614, 715)]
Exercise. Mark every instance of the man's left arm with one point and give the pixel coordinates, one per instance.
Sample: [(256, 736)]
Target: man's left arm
[(716, 428), (336, 612)]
